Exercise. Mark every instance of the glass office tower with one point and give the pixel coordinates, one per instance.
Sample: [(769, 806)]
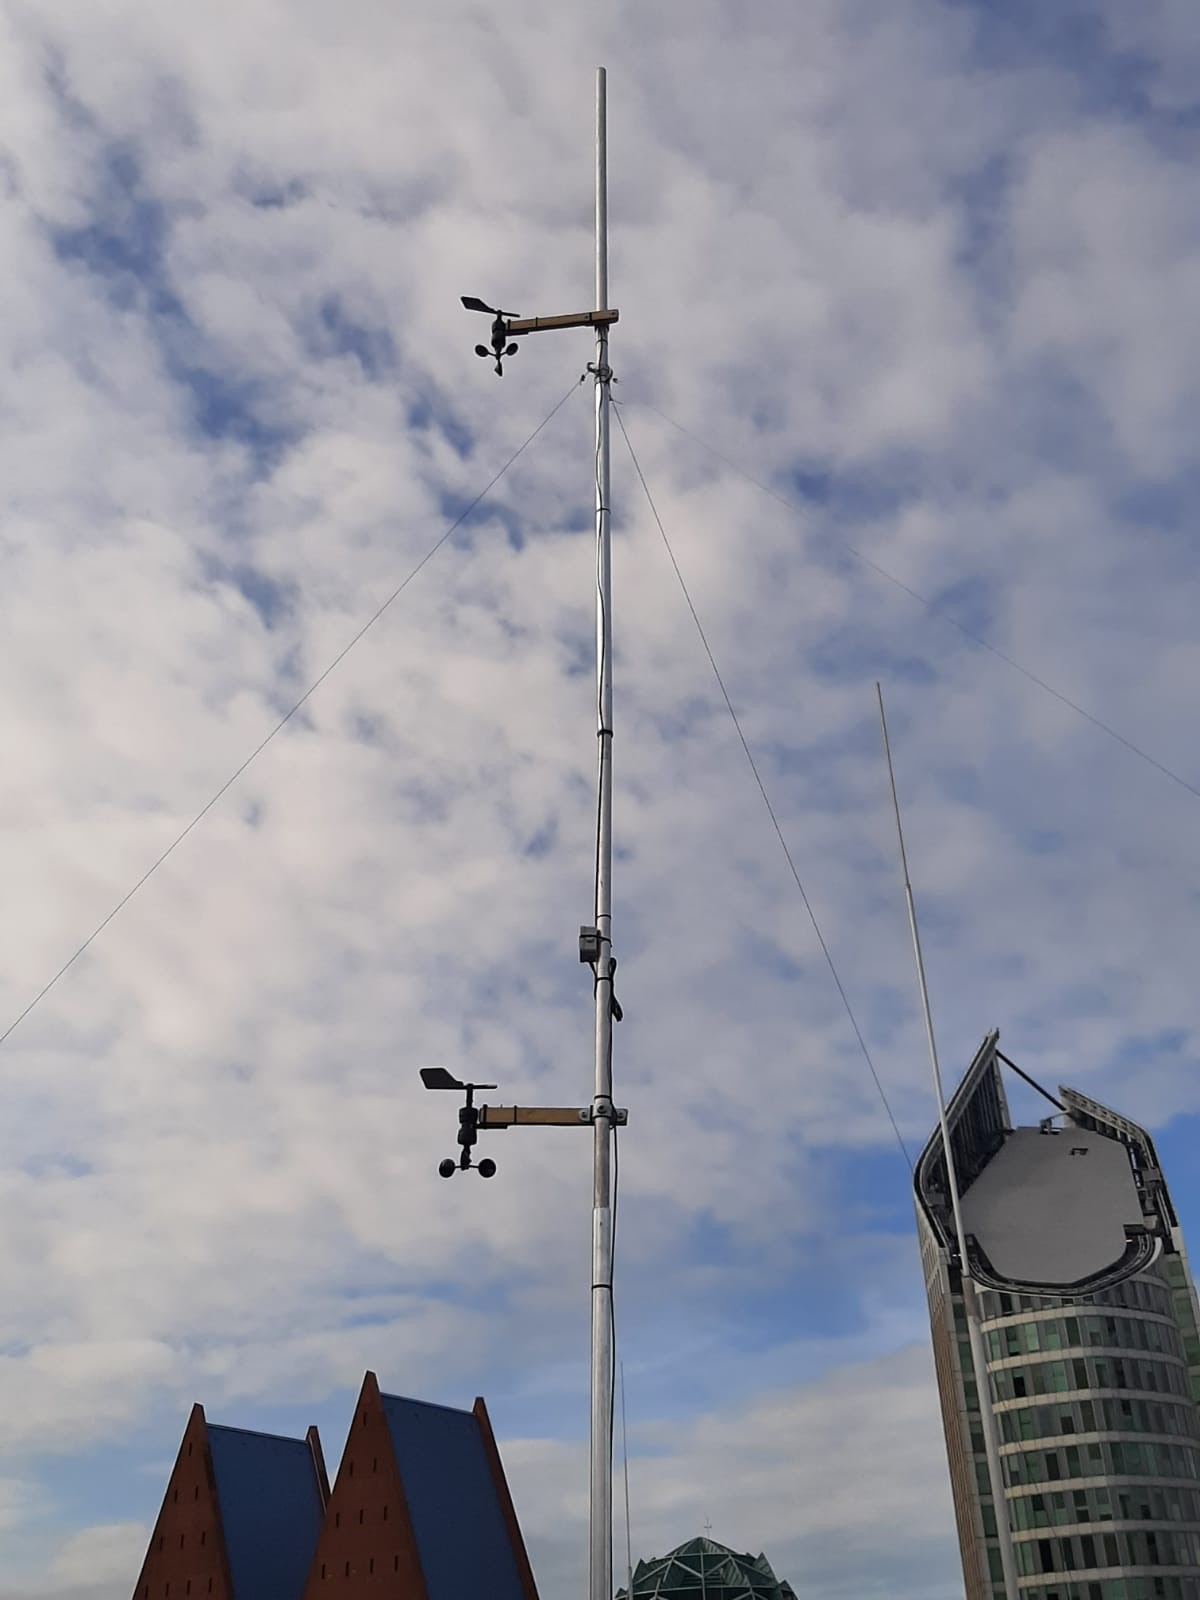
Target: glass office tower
[(1089, 1319)]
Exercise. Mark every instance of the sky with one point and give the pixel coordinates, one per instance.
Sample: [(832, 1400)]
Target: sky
[(908, 352)]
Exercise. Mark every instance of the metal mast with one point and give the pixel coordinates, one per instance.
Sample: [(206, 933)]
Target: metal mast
[(991, 1439), (600, 1564), (595, 939)]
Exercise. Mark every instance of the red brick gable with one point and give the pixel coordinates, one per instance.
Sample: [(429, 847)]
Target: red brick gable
[(186, 1559), (248, 1516), (508, 1510), (366, 1547)]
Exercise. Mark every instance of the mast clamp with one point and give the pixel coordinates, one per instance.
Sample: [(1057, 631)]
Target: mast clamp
[(617, 1115)]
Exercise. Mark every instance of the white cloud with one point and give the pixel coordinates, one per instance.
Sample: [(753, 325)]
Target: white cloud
[(91, 1564), (242, 404), (807, 1475), (105, 1554)]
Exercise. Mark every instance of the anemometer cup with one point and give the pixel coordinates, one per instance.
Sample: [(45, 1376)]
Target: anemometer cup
[(485, 1168)]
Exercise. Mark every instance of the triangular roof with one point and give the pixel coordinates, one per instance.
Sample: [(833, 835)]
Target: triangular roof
[(420, 1509), (272, 1504), (702, 1569), (458, 1501), (240, 1517)]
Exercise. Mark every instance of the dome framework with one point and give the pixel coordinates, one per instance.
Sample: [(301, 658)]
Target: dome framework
[(702, 1569)]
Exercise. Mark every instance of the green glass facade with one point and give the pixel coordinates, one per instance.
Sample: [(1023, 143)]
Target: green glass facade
[(705, 1570), (1100, 1438)]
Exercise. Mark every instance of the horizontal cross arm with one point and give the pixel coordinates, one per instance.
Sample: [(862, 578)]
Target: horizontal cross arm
[(542, 1117), (573, 319)]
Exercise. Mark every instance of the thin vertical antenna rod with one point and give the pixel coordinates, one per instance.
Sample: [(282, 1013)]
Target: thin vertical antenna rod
[(991, 1439), (625, 1455), (603, 1354)]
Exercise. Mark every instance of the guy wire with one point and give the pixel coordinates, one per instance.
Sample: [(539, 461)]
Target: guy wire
[(283, 721), (762, 789)]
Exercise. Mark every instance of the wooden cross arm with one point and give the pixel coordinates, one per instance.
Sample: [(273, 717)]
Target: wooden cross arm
[(573, 319), (542, 1117)]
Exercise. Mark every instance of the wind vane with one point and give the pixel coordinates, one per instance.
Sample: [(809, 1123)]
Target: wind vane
[(507, 327), (595, 937)]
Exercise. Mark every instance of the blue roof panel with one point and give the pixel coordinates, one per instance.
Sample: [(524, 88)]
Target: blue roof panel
[(462, 1538), (271, 1511)]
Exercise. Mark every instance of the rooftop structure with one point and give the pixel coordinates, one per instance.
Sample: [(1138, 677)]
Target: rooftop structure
[(705, 1570), (1089, 1318), (240, 1517), (1080, 1207), (420, 1511)]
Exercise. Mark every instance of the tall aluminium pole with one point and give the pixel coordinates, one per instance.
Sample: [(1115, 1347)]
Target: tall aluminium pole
[(991, 1439), (595, 941), (600, 1563)]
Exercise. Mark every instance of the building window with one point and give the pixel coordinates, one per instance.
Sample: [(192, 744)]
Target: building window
[(371, 1564)]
